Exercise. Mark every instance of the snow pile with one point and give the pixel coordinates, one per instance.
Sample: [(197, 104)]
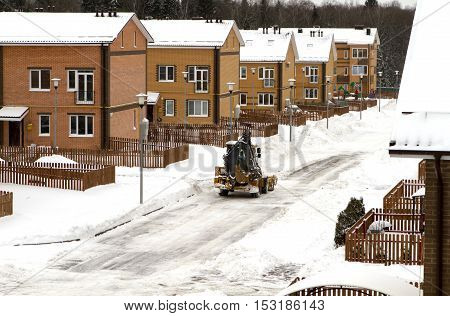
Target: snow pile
[(56, 159)]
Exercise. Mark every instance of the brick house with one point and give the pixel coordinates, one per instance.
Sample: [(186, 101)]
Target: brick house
[(316, 61), (422, 131), (267, 64), (357, 52), (100, 62), (189, 65)]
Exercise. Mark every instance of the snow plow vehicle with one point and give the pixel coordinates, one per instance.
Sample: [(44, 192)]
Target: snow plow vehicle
[(241, 172)]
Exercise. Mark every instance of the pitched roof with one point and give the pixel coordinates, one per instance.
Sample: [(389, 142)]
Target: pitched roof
[(351, 36), (190, 33), (315, 49), (63, 28), (261, 47), (423, 126)]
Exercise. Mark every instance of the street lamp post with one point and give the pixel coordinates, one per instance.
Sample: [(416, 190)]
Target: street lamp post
[(361, 103), (291, 103), (55, 85), (230, 91), (253, 87), (185, 75), (290, 110), (380, 74), (328, 81), (397, 85), (143, 132)]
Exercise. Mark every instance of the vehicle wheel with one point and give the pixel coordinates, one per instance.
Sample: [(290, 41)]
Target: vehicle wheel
[(223, 192), (265, 187), (255, 195)]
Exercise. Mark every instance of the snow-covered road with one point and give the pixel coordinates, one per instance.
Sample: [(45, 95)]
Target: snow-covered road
[(182, 236), (227, 245)]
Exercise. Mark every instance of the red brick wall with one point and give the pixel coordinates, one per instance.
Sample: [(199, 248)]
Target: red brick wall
[(431, 233), (17, 62)]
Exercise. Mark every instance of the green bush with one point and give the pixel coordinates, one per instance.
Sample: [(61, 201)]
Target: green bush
[(347, 218)]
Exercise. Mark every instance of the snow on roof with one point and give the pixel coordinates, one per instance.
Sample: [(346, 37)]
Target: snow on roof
[(186, 33), (62, 28), (350, 36), (13, 113), (261, 47), (152, 97), (314, 49), (356, 277), (426, 130)]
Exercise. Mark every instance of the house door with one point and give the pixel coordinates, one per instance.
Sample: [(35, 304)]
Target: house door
[(85, 93), (14, 133)]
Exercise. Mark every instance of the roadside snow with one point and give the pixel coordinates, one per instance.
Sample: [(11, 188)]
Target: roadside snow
[(56, 159)]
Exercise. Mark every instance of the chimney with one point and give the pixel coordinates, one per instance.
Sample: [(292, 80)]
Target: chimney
[(300, 30), (368, 31)]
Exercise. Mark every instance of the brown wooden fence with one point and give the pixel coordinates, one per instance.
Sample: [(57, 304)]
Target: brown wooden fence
[(399, 198), (337, 291), (272, 117), (125, 158), (357, 106), (193, 134), (402, 243), (6, 203), (56, 175)]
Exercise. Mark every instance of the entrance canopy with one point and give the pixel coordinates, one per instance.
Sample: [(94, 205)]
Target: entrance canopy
[(152, 98), (13, 113)]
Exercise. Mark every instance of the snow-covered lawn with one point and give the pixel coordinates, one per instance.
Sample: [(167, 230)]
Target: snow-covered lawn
[(300, 237)]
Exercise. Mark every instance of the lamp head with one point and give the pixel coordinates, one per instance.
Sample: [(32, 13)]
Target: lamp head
[(142, 97), (56, 82), (291, 82), (230, 86)]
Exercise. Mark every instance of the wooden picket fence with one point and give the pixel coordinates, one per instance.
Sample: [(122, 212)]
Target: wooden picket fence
[(125, 154), (272, 117), (402, 243), (337, 291), (67, 176), (399, 198), (6, 203)]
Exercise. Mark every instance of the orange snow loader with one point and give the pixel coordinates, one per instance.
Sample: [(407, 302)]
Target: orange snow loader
[(241, 172)]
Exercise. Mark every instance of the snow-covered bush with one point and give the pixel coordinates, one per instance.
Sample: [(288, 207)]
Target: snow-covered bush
[(352, 213)]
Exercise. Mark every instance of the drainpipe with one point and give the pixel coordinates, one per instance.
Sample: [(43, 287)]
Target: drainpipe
[(324, 73), (216, 86), (105, 97), (280, 85), (440, 219)]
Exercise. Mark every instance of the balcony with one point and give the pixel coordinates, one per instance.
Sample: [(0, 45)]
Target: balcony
[(84, 97)]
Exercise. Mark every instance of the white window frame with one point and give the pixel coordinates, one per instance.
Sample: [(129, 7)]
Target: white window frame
[(40, 77), (203, 103), (40, 124), (313, 74), (359, 73), (74, 89), (240, 99), (167, 73), (269, 96), (87, 116), (166, 104), (268, 76), (241, 70), (315, 93), (195, 80), (346, 71), (358, 51), (201, 81), (346, 54)]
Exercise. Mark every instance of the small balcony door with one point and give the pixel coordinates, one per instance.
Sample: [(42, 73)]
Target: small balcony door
[(85, 93), (201, 84)]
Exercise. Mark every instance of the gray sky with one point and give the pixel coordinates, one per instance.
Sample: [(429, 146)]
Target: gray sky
[(403, 2)]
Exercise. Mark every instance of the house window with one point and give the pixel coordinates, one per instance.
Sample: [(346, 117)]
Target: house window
[(345, 54), (243, 99), (44, 125), (40, 80), (359, 53), (82, 83), (198, 108), (359, 70), (265, 99), (170, 107), (268, 75), (121, 40), (243, 73), (346, 71), (166, 73), (134, 40), (311, 93), (81, 125), (200, 76), (312, 73)]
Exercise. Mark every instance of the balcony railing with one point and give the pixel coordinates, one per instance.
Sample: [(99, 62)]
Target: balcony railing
[(84, 97)]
